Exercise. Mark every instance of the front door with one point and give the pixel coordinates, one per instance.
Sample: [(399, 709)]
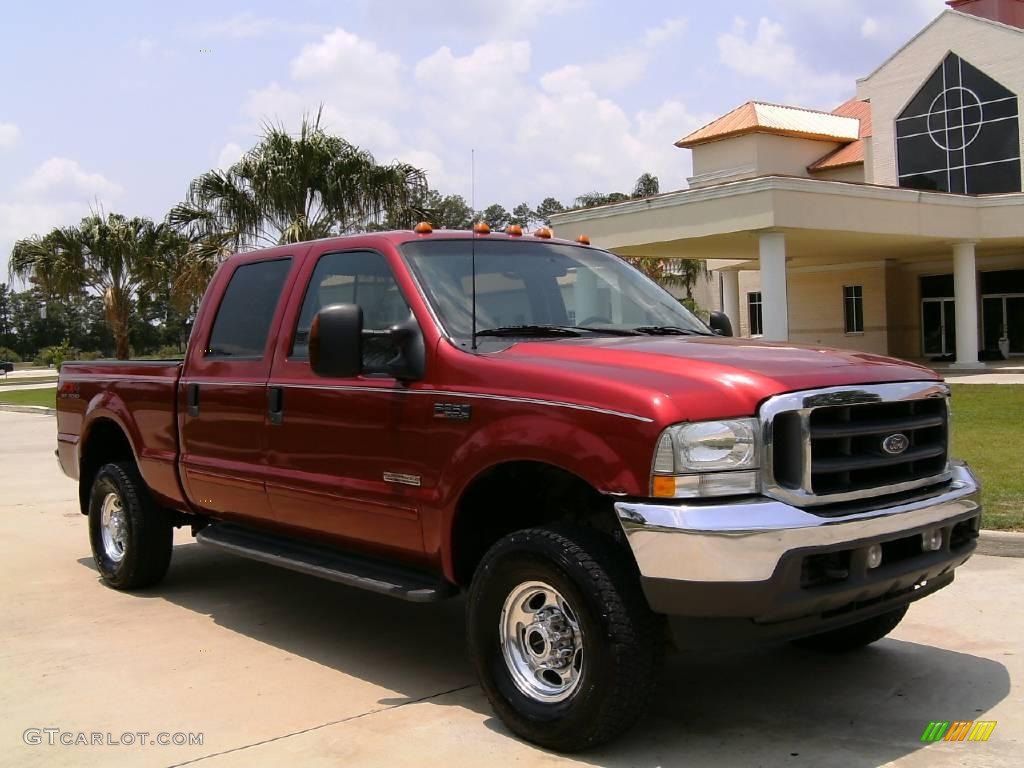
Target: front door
[(335, 446), (1003, 317), (938, 326)]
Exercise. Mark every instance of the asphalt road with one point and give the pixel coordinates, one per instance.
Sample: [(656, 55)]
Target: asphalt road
[(275, 668)]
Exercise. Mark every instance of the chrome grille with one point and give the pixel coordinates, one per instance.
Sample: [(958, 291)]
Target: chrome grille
[(846, 443)]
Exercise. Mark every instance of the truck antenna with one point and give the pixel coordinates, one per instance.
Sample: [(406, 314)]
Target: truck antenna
[(472, 241)]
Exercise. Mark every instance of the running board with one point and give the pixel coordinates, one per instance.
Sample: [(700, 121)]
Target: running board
[(317, 560)]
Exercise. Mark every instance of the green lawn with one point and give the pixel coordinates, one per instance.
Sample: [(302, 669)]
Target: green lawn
[(988, 433), (47, 397)]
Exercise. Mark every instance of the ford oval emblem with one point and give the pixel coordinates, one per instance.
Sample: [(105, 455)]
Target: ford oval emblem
[(896, 444)]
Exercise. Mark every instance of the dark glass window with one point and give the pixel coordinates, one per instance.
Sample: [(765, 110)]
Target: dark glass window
[(754, 317), (960, 133), (936, 286), (1003, 281), (853, 308), (356, 277), (247, 309)]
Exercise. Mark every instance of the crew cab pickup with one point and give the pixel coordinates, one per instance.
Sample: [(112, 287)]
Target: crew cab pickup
[(532, 422)]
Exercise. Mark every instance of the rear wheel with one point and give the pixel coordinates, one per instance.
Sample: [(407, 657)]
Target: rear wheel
[(856, 635), (131, 536), (561, 636)]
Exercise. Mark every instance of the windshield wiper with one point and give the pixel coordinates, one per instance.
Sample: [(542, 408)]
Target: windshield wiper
[(529, 330), (669, 330)]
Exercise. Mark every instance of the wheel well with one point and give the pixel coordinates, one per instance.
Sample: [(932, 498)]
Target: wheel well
[(522, 494), (106, 442)]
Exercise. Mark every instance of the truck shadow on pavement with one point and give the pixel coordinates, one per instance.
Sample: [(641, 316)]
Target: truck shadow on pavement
[(773, 706)]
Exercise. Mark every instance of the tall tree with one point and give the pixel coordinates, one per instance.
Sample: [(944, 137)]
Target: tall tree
[(109, 255), (288, 189), (547, 208), (523, 215), (646, 185), (496, 217)]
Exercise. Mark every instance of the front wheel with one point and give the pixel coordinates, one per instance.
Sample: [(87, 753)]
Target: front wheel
[(854, 636), (131, 536), (563, 642)]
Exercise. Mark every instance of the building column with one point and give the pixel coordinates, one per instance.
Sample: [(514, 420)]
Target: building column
[(771, 248), (965, 291), (731, 296)]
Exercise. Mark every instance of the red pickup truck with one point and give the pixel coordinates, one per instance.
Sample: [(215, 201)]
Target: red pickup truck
[(535, 423)]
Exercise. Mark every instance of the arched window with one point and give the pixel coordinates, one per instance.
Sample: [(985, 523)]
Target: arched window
[(959, 133)]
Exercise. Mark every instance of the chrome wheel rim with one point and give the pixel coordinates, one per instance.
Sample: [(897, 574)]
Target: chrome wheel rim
[(542, 642), (113, 527)]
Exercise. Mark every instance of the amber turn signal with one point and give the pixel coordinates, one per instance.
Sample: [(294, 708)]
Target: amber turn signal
[(663, 487), (583, 240), (514, 230), (482, 228), (423, 228), (542, 232)]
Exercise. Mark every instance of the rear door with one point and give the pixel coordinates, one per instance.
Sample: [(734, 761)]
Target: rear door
[(335, 455), (223, 397)]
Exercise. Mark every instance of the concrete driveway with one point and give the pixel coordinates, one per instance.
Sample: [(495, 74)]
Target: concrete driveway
[(275, 668)]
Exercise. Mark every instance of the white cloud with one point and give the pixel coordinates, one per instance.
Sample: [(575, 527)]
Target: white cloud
[(769, 57), (869, 29), (350, 68), (60, 178), (229, 154), (669, 30), (628, 65), (9, 134), (534, 133)]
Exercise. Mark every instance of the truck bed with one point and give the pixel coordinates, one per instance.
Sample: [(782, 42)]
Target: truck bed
[(141, 397)]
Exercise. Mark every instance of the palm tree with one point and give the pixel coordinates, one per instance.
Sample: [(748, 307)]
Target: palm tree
[(108, 255), (288, 189)]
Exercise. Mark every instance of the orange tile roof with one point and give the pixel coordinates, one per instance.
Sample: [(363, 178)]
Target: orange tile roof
[(852, 153), (761, 117)]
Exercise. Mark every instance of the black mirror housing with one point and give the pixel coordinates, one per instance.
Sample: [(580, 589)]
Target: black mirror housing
[(410, 362), (719, 323), (336, 341)]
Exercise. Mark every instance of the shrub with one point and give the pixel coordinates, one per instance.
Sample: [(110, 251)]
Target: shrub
[(8, 355), (91, 355), (169, 352)]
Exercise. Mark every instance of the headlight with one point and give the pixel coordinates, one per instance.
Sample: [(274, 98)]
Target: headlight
[(703, 458)]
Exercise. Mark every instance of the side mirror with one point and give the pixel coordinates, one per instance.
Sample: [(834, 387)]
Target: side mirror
[(336, 341), (410, 362), (719, 323)]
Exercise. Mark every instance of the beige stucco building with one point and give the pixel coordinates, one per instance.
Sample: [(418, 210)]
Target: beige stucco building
[(893, 224)]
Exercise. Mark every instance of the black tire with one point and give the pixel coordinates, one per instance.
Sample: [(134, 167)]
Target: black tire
[(623, 640), (148, 534), (854, 636)]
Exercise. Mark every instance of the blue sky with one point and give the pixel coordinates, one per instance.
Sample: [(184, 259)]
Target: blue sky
[(122, 104)]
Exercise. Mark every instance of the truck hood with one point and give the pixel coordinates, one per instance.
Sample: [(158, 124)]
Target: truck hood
[(685, 368)]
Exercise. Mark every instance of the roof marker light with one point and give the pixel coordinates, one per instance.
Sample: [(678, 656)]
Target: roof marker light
[(482, 228), (543, 232), (514, 230), (423, 228), (583, 240)]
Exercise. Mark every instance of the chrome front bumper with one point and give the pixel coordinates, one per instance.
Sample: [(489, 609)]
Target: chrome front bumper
[(745, 540)]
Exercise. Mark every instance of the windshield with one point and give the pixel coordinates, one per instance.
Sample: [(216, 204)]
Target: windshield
[(534, 284)]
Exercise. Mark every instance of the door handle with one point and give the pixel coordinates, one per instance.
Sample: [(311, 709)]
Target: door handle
[(275, 405), (193, 399)]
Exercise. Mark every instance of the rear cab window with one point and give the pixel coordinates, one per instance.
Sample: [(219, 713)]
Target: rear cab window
[(247, 309)]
